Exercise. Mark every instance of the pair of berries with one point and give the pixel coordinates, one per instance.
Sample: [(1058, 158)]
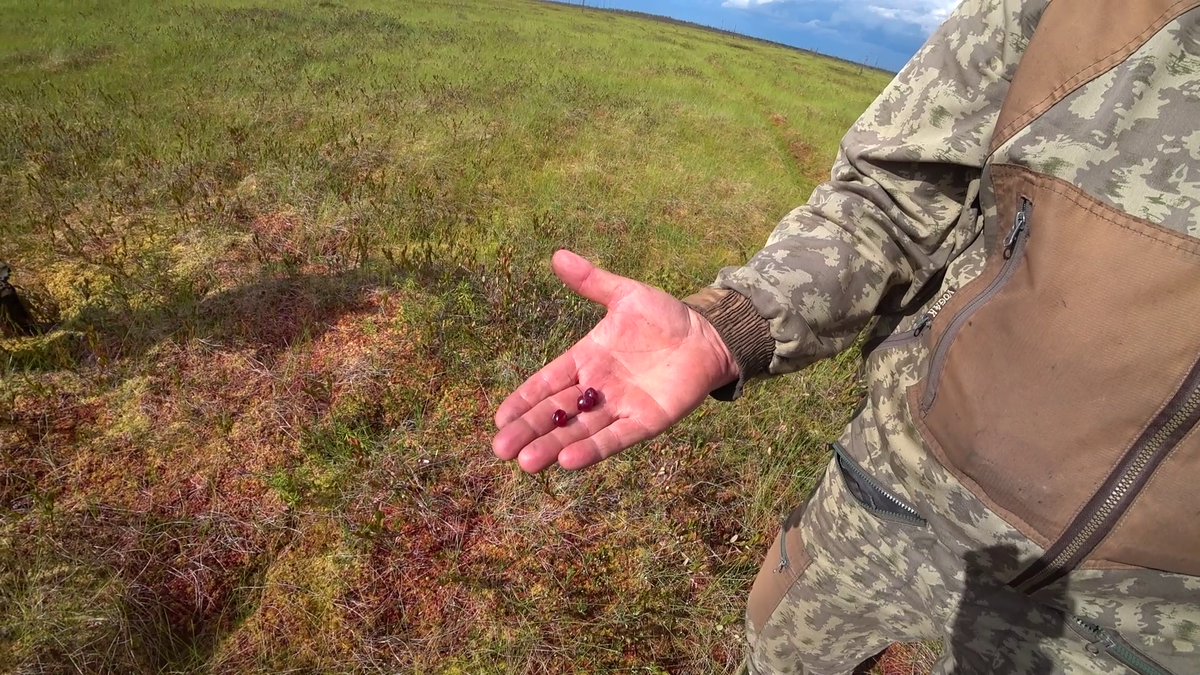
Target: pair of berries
[(586, 402)]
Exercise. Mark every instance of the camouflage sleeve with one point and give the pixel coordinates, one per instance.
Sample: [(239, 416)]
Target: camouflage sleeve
[(884, 225)]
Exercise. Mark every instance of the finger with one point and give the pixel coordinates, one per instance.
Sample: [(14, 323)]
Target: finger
[(535, 423), (605, 443), (545, 450), (588, 280), (554, 377)]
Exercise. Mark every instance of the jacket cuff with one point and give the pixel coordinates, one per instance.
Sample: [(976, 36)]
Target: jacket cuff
[(746, 334)]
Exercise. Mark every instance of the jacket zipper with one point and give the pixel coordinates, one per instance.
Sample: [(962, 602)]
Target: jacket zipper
[(921, 325), (1101, 639), (907, 513), (784, 563), (1099, 516), (1014, 250)]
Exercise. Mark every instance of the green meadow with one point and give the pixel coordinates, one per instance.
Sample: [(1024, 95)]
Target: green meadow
[(296, 253)]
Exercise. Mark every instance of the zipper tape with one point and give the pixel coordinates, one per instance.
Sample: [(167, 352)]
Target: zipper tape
[(1118, 491), (1111, 643), (1014, 250), (895, 508)]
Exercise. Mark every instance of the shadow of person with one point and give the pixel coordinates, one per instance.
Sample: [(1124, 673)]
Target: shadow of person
[(998, 630), (268, 315)]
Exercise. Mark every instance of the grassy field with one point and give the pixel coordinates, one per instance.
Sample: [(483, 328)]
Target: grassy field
[(298, 252)]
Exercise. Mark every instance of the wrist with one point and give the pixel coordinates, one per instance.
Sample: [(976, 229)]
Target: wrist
[(743, 339), (726, 370)]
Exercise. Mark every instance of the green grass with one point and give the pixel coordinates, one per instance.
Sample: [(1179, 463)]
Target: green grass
[(298, 254)]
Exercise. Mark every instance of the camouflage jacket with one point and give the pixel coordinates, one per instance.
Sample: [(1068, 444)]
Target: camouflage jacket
[(1017, 219)]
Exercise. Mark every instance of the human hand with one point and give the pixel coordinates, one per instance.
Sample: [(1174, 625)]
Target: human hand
[(652, 359)]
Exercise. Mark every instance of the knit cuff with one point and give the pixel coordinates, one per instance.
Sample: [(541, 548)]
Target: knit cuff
[(746, 334)]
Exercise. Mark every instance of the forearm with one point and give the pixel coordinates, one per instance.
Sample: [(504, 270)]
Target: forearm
[(898, 203)]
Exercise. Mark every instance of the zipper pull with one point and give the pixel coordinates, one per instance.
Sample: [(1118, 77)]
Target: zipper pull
[(925, 322), (783, 559), (1019, 226), (1093, 634)]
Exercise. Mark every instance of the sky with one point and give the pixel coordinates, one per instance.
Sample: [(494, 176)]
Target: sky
[(883, 33)]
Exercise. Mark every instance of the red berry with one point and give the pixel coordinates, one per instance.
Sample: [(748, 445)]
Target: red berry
[(585, 403), (592, 395), (560, 418)]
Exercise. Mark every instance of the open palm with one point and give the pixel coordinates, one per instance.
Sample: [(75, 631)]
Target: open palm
[(652, 359)]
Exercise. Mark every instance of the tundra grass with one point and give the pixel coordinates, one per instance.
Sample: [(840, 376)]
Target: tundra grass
[(296, 253)]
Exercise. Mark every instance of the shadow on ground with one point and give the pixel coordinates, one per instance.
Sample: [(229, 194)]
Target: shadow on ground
[(268, 314)]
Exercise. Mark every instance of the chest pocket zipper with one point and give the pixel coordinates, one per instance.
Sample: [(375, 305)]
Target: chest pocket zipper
[(1014, 250), (918, 328)]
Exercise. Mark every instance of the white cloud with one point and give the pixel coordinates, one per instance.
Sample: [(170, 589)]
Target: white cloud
[(925, 14), (928, 14), (746, 4)]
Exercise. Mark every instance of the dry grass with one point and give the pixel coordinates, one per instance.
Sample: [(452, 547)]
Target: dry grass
[(908, 659)]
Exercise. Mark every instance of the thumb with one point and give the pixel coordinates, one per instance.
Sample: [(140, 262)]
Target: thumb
[(588, 280)]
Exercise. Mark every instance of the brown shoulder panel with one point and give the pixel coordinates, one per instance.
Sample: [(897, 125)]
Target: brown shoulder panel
[(1076, 41)]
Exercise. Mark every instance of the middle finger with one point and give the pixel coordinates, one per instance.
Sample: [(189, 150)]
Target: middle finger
[(534, 423), (543, 451)]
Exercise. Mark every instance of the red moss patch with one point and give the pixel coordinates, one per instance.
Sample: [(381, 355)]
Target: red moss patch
[(285, 236), (906, 659), (278, 235)]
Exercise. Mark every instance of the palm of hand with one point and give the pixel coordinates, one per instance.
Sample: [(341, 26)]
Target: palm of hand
[(648, 348), (652, 359)]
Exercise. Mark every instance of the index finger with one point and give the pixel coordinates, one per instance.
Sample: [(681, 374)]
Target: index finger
[(555, 376)]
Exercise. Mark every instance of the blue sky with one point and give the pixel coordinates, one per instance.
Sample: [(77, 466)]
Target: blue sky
[(879, 32)]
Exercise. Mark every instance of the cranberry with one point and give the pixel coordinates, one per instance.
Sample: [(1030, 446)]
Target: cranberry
[(560, 418), (588, 400)]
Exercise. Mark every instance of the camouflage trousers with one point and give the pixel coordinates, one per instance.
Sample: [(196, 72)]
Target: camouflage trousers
[(843, 581)]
